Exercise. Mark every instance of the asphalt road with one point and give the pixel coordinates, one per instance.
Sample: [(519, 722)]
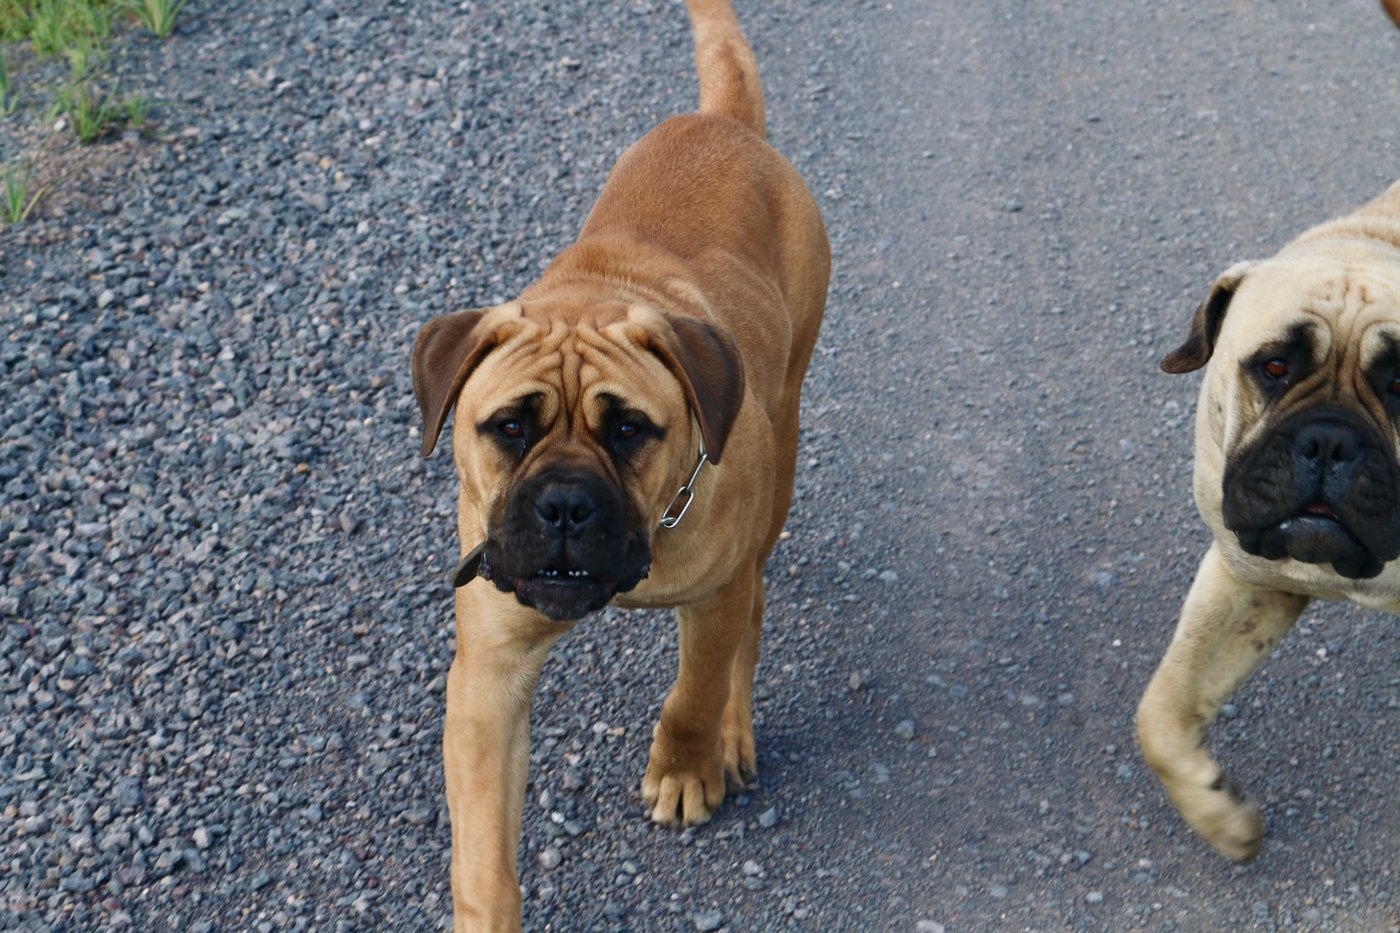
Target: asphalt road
[(990, 542)]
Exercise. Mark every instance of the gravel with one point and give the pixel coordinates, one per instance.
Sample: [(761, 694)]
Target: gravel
[(224, 609)]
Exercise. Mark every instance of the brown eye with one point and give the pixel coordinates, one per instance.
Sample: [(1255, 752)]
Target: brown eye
[(1394, 387), (628, 434), (1277, 368), (511, 428)]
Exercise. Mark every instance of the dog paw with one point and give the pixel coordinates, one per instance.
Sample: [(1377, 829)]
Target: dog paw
[(1231, 824), (682, 788)]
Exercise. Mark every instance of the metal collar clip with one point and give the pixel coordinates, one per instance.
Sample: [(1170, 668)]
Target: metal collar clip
[(686, 495)]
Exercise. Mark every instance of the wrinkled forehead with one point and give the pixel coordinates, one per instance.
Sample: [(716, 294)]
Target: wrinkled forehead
[(618, 368), (574, 367), (1322, 307)]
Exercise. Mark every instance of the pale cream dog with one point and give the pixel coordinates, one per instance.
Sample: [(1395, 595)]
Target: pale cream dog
[(1297, 474)]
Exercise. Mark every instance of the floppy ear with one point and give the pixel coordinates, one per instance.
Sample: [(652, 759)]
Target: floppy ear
[(707, 363), (1205, 324), (448, 348)]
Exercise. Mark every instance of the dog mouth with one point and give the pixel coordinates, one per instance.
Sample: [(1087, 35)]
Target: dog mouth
[(563, 594), (560, 579), (565, 575), (559, 592), (1316, 535), (552, 576), (565, 580), (1321, 487), (1321, 510)]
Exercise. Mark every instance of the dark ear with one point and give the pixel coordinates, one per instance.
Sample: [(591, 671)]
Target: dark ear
[(707, 363), (1205, 324), (448, 348)]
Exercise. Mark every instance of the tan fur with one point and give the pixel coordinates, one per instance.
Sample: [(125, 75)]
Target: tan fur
[(729, 81), (1392, 9), (700, 220), (1343, 275)]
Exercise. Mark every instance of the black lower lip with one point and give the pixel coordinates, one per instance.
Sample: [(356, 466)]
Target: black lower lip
[(1313, 539), (563, 599), (540, 580)]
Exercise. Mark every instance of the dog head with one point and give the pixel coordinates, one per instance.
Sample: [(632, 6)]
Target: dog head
[(1301, 404), (575, 426)]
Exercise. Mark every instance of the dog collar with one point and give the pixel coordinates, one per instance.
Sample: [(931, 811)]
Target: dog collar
[(470, 565), (686, 493)]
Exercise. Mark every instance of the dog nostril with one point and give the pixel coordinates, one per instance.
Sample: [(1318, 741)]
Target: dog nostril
[(1327, 443), (565, 509)]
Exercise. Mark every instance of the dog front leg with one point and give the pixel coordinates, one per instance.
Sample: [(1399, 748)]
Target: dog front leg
[(501, 647), (1227, 628), (684, 780)]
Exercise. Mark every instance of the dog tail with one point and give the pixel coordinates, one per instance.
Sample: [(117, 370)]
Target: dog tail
[(729, 82)]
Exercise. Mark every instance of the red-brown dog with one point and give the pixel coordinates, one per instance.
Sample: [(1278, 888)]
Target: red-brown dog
[(626, 432)]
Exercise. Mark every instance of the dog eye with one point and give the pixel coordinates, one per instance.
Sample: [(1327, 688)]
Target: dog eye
[(511, 428), (1394, 387), (628, 430), (1277, 368)]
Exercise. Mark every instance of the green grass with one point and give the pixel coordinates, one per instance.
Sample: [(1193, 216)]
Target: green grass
[(8, 99), (11, 13), (90, 104), (80, 31), (53, 26), (136, 107), (156, 15), (90, 109), (19, 200)]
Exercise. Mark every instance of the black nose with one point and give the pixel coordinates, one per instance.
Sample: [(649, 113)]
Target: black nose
[(1327, 443), (567, 508)]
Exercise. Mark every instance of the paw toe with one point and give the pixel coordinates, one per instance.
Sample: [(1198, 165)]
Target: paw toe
[(1232, 825), (1240, 834), (683, 801)]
